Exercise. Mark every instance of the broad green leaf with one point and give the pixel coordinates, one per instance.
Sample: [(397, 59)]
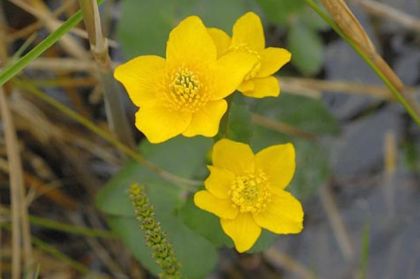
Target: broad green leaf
[(239, 127), (181, 156), (195, 253), (264, 242), (144, 25), (280, 11), (312, 165), (308, 114), (312, 20), (306, 47), (205, 223)]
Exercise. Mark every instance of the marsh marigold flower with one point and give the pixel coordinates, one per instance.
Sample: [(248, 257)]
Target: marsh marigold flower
[(247, 191), (248, 37), (184, 93)]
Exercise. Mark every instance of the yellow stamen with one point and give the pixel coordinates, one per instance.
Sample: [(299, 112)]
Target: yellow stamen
[(186, 91), (250, 192)]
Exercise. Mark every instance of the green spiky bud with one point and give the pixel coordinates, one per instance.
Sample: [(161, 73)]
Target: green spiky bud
[(162, 251)]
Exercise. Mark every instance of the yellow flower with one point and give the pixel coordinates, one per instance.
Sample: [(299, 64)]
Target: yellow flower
[(183, 94), (248, 37), (246, 191)]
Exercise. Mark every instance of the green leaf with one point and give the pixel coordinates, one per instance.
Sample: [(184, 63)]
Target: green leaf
[(312, 164), (184, 157), (306, 47), (312, 20), (181, 156), (195, 253), (308, 114), (264, 242), (280, 11), (239, 127), (312, 158), (145, 25), (206, 224)]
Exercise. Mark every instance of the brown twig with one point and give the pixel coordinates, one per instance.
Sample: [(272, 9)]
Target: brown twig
[(282, 260), (353, 30), (280, 127), (295, 84), (336, 222), (20, 225), (389, 13)]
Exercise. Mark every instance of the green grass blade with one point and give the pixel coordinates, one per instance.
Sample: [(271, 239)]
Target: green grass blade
[(13, 69)]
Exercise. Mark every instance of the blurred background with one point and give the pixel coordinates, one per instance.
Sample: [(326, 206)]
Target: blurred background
[(358, 151)]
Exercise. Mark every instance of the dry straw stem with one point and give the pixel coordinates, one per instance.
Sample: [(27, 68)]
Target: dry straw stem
[(280, 127), (389, 13), (312, 87), (112, 93), (352, 30), (20, 223), (40, 10), (282, 260), (336, 222), (184, 183)]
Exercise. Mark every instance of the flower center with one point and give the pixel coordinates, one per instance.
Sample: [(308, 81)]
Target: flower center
[(257, 66), (250, 193), (186, 91)]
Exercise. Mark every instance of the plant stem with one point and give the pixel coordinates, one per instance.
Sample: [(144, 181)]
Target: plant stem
[(112, 91), (358, 40), (184, 183)]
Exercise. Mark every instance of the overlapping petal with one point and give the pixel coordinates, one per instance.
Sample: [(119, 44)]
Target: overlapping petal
[(234, 156), (190, 42), (278, 163), (272, 59), (248, 30), (220, 39), (142, 77), (242, 230), (219, 182), (230, 72), (283, 215), (222, 208), (261, 87), (159, 124), (206, 121)]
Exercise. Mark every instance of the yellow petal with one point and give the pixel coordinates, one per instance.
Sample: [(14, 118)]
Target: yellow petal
[(278, 163), (246, 86), (220, 39), (272, 59), (158, 124), (234, 156), (262, 87), (283, 215), (206, 121), (190, 42), (230, 72), (219, 182), (242, 230), (248, 30), (222, 208), (140, 77)]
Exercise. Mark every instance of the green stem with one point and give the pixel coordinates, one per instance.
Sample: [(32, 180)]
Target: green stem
[(397, 94), (71, 229), (224, 122)]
